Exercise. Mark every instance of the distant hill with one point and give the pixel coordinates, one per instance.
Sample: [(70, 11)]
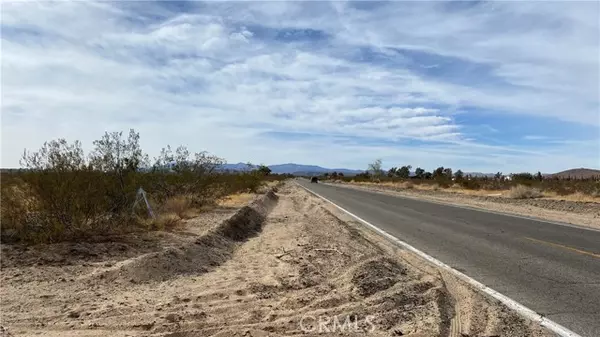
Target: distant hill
[(238, 167), (297, 169), (577, 173)]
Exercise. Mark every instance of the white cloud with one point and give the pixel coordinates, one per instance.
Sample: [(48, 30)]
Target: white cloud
[(210, 79)]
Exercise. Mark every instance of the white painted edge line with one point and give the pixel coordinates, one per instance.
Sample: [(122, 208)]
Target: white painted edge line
[(512, 304), (472, 208)]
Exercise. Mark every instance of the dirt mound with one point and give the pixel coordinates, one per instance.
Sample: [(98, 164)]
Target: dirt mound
[(94, 250), (247, 221), (376, 275), (198, 256)]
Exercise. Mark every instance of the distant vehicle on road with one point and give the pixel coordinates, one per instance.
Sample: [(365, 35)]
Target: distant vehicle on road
[(314, 180)]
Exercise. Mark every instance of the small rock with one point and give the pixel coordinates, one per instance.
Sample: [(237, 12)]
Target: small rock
[(147, 326), (4, 332), (199, 315), (172, 318), (73, 314)]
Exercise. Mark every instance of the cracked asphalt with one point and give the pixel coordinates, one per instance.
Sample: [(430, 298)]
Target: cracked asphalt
[(550, 268)]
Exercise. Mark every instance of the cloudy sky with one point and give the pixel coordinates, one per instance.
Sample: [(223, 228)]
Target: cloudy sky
[(503, 86)]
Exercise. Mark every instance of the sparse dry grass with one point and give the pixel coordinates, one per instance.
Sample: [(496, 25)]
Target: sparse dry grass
[(517, 192), (266, 186), (236, 200), (164, 221), (179, 205), (523, 192), (577, 196), (407, 185), (459, 189), (375, 183)]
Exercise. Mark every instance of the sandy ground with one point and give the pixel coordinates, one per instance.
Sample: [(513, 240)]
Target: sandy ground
[(300, 270), (582, 213)]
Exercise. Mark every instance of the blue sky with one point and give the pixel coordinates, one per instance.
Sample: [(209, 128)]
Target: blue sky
[(481, 86)]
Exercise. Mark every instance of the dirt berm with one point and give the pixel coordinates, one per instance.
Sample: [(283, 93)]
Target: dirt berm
[(199, 255), (273, 268)]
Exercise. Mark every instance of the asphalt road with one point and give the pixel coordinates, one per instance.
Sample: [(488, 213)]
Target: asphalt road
[(550, 268)]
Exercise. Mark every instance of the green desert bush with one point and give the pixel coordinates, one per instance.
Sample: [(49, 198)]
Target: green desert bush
[(62, 194), (470, 184)]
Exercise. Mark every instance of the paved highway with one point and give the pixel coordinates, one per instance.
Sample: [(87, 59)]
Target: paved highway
[(550, 268)]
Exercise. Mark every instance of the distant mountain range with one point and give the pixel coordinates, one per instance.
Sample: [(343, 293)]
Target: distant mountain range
[(296, 169), (299, 169), (479, 174)]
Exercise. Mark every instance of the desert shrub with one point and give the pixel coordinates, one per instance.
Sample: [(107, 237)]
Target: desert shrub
[(472, 184), (443, 183), (579, 196), (493, 184), (166, 221), (63, 195), (178, 205), (589, 187), (61, 204), (524, 192), (16, 203)]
